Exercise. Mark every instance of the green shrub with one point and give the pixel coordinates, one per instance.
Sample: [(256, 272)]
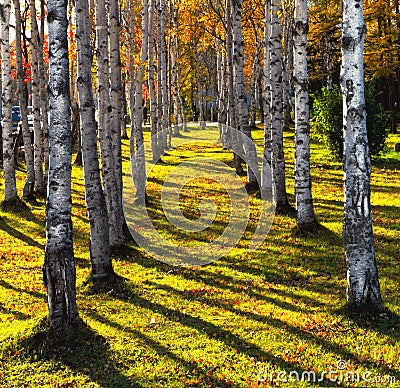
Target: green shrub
[(327, 122)]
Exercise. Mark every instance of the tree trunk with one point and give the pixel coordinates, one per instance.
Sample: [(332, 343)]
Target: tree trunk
[(138, 161), (287, 65), (23, 99), (44, 96), (10, 188), (59, 265), (97, 211), (116, 101), (232, 141), (155, 146), (267, 163), (38, 139), (174, 66), (241, 96), (304, 203), (111, 188), (277, 153), (363, 290), (162, 103)]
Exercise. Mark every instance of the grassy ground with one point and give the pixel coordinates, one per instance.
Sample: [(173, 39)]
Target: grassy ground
[(237, 322)]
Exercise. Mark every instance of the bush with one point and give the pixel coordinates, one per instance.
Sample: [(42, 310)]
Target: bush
[(327, 122)]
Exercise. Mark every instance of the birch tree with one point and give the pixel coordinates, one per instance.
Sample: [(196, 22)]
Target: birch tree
[(241, 96), (59, 265), (136, 142), (162, 78), (100, 255), (115, 94), (231, 121), (363, 290), (23, 99), (111, 187), (267, 163), (44, 97), (277, 153), (38, 139), (155, 146), (304, 203), (174, 8), (10, 188)]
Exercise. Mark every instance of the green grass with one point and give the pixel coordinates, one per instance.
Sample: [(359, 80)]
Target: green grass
[(228, 324)]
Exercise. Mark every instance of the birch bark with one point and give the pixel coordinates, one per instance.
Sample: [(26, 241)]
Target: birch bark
[(363, 290), (241, 96), (38, 138), (10, 188), (44, 96), (105, 112), (304, 203), (137, 143), (59, 265), (115, 94), (277, 153), (155, 146), (23, 99), (95, 200)]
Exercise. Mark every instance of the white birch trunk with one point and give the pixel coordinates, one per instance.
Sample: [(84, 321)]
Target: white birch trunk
[(304, 202), (10, 189), (267, 163), (162, 103), (221, 95), (44, 96), (287, 64), (116, 101), (23, 98), (363, 290), (136, 143), (174, 66), (277, 153), (181, 105), (155, 146), (59, 265), (105, 122), (241, 96), (100, 256), (232, 140), (38, 138)]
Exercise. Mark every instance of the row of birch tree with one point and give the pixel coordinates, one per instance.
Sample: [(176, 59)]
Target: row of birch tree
[(138, 53)]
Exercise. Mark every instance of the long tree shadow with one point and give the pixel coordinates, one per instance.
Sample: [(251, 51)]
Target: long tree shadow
[(19, 235), (223, 281), (85, 352), (315, 335), (213, 331), (9, 286), (193, 368), (17, 314)]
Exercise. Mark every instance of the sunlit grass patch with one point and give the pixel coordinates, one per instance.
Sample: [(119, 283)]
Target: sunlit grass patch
[(227, 324)]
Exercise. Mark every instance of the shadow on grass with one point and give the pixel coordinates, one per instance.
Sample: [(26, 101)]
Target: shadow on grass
[(214, 332), (86, 352), (19, 235), (194, 370), (385, 322), (386, 163), (17, 314), (211, 330), (9, 286)]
